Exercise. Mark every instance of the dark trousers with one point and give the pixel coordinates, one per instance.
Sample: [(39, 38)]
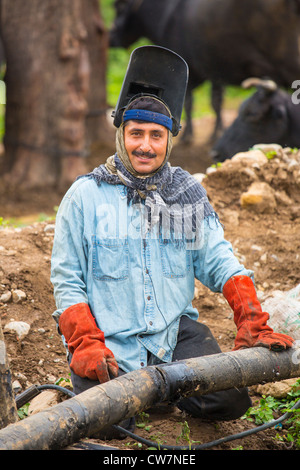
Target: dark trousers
[(194, 340)]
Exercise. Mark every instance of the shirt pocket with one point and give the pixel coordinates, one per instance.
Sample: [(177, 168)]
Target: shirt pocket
[(110, 259), (175, 259)]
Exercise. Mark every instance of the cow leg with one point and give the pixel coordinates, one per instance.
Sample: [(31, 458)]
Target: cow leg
[(217, 92)]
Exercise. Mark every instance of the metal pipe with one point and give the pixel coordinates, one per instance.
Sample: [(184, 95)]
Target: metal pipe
[(125, 396)]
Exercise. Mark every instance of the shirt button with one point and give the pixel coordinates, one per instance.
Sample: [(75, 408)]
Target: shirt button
[(150, 323), (149, 297), (142, 364), (147, 271)]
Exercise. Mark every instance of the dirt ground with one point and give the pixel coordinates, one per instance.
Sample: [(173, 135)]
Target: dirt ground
[(265, 240)]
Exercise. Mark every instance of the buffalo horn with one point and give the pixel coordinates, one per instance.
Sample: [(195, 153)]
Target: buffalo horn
[(255, 82)]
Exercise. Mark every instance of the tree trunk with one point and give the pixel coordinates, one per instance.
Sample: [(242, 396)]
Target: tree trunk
[(8, 410), (97, 127), (49, 47)]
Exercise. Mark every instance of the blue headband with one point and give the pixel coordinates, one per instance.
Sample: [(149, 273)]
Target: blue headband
[(143, 115)]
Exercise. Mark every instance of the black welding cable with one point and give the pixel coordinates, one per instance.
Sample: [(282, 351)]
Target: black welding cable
[(206, 445), (58, 388), (217, 442)]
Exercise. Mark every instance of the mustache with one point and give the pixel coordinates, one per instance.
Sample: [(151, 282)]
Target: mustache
[(140, 153)]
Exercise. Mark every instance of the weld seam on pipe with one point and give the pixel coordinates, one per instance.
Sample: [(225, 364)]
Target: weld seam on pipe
[(125, 396)]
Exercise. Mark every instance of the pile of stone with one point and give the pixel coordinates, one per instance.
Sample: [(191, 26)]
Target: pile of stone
[(270, 173)]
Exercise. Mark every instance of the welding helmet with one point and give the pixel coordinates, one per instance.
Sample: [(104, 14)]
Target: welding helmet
[(158, 72)]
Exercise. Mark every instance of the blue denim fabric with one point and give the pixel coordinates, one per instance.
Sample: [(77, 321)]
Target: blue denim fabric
[(137, 285)]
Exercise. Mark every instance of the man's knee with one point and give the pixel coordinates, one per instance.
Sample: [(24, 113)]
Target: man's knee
[(223, 406), (194, 340)]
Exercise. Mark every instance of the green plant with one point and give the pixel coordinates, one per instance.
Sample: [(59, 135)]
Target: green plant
[(271, 154), (143, 421), (270, 408), (185, 434), (216, 165), (158, 438), (23, 411), (64, 382), (263, 413)]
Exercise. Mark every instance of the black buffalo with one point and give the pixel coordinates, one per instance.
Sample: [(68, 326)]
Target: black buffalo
[(270, 115), (223, 41)]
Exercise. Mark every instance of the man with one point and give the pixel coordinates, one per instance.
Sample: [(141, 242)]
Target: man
[(131, 237)]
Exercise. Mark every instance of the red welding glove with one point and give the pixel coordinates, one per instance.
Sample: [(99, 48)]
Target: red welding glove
[(91, 358), (251, 321)]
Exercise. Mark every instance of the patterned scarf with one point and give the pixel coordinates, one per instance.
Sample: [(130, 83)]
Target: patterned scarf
[(175, 201)]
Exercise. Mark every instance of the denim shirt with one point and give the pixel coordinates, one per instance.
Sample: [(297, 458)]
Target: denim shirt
[(137, 287)]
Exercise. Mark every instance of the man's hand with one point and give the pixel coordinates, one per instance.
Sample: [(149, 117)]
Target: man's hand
[(251, 321), (90, 356)]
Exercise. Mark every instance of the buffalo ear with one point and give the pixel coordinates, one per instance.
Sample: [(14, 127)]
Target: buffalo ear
[(280, 112), (257, 106)]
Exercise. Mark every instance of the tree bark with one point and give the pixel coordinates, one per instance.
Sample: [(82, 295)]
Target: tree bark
[(49, 47), (8, 410), (97, 127)]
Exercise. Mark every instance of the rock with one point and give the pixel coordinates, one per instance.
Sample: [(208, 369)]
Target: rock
[(256, 248), (230, 217), (6, 297), (251, 157), (249, 172), (41, 371), (264, 258), (283, 198), (21, 377), (211, 170), (267, 148), (17, 387), (50, 228), (18, 296), (259, 197), (6, 252), (43, 401), (51, 378), (199, 177), (20, 328), (276, 389)]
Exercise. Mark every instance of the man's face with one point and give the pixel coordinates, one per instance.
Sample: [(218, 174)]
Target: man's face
[(146, 145)]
